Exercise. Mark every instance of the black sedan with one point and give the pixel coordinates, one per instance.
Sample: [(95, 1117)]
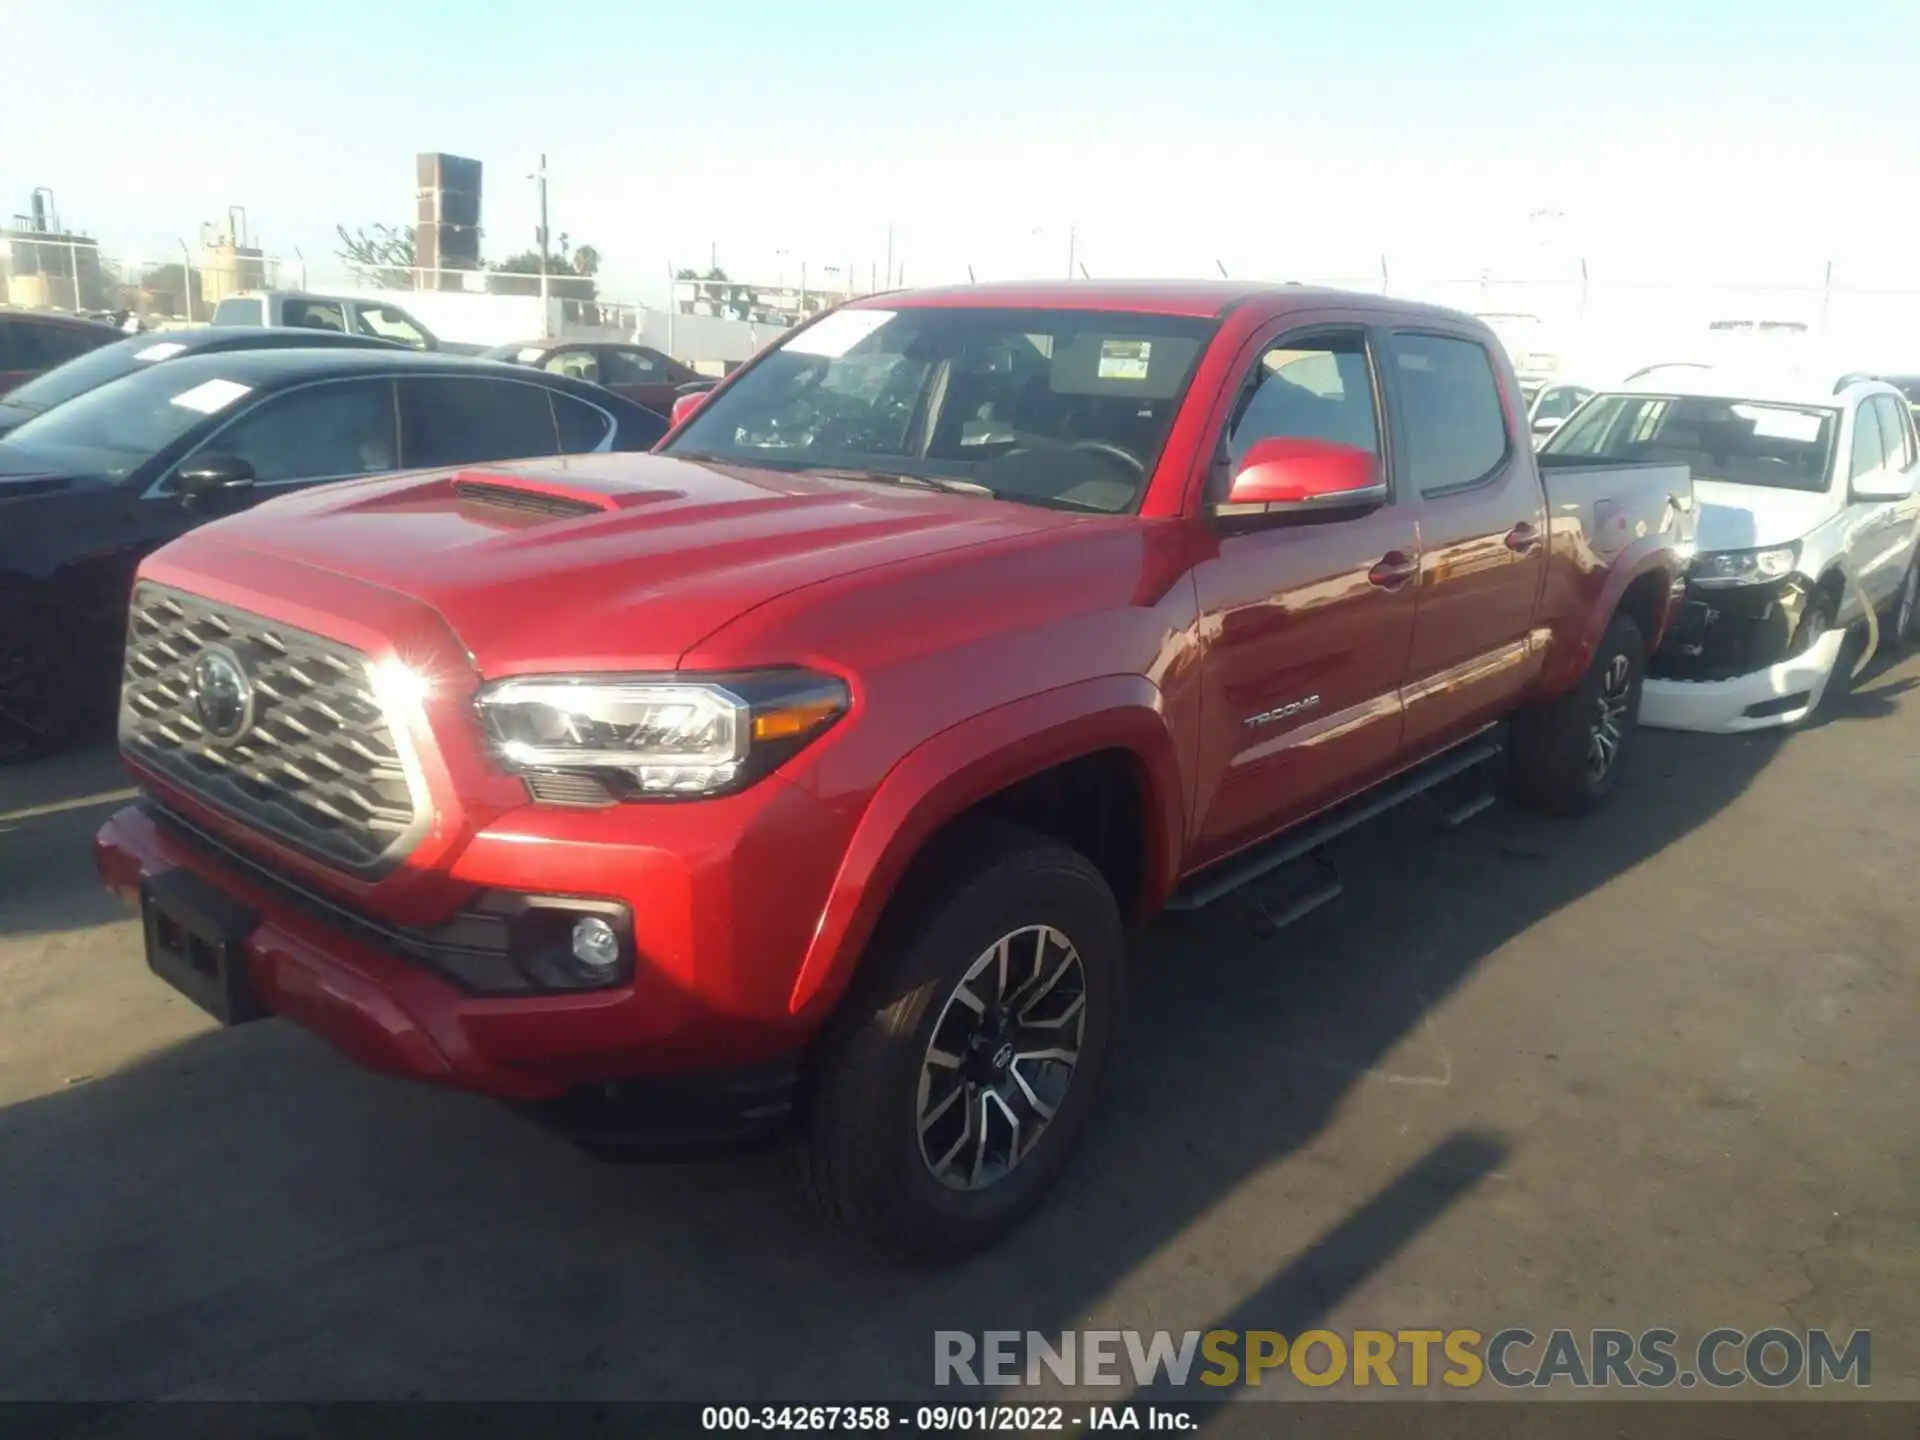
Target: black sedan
[(110, 362), (92, 486)]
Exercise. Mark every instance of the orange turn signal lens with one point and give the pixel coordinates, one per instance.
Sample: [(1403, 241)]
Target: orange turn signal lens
[(791, 722)]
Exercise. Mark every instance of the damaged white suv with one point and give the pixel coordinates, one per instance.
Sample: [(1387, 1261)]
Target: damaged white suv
[(1807, 522)]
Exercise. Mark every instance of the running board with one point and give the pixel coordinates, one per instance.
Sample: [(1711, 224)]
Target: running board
[(1230, 874), (1271, 922)]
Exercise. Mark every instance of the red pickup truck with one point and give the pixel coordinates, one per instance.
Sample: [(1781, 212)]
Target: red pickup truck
[(808, 772)]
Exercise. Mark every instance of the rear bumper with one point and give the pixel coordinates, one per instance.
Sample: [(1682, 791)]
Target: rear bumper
[(1779, 695), (569, 1060)]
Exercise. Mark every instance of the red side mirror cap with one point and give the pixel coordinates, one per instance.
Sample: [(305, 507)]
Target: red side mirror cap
[(685, 405), (1287, 473)]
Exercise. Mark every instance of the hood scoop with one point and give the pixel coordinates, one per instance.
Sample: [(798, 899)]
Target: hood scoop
[(553, 496)]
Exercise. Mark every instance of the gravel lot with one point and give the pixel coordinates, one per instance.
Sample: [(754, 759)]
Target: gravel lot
[(1653, 1068)]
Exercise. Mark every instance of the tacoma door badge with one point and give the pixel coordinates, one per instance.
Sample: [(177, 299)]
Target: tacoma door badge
[(1284, 712)]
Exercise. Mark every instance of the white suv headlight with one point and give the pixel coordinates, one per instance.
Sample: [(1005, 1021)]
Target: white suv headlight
[(1745, 567), (658, 737)]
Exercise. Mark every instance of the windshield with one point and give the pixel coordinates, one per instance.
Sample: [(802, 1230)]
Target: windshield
[(1741, 442), (91, 370), (1064, 408), (114, 429)]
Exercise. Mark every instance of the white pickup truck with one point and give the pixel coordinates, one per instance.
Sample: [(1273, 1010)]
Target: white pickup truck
[(1807, 523), (340, 314)]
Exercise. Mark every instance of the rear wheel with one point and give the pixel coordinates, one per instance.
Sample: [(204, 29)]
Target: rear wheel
[(962, 1074), (1567, 752)]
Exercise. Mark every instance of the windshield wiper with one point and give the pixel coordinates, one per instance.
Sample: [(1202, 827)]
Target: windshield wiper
[(794, 465), (895, 477)]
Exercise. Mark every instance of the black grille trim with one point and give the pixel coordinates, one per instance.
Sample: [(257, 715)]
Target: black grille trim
[(319, 769), (529, 502)]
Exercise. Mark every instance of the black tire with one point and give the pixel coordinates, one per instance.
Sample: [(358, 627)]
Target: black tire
[(1552, 757), (861, 1148), (1904, 617), (1820, 616), (38, 700)]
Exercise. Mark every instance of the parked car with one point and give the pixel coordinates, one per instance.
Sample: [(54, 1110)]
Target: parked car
[(642, 374), (340, 314), (1551, 406), (123, 357), (92, 485), (810, 769), (35, 341), (1907, 385), (1808, 520)]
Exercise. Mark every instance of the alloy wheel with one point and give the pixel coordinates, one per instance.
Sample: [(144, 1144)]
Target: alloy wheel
[(1001, 1057), (1610, 718)]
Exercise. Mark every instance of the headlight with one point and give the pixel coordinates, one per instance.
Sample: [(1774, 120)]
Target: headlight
[(1745, 567), (661, 736)]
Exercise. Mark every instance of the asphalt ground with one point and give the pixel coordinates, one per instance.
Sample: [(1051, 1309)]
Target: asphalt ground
[(1656, 1067)]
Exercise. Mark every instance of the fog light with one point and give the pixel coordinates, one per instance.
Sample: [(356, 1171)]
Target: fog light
[(595, 944)]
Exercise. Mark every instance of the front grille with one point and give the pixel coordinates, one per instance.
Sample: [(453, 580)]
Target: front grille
[(528, 502), (315, 765)]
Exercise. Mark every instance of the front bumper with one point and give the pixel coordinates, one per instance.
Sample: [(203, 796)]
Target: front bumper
[(1781, 694), (664, 1048)]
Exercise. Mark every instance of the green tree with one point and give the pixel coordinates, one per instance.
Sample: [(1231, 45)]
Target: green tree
[(569, 271), (382, 255)]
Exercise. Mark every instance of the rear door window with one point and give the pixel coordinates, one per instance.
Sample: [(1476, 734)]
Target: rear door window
[(1450, 404), (462, 420), (582, 426)]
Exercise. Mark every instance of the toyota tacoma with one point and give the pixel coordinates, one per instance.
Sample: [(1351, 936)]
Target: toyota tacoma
[(807, 773)]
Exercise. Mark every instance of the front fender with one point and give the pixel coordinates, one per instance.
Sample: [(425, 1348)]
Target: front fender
[(965, 764)]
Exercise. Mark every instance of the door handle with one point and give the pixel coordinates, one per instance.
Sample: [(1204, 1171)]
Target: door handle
[(1393, 570), (1522, 538)]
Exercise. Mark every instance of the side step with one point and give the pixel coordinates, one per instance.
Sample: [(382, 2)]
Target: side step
[(1230, 874)]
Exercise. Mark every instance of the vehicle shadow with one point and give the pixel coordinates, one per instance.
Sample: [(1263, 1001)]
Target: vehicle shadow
[(246, 1215)]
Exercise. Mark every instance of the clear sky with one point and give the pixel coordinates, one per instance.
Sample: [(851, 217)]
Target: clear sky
[(1745, 137)]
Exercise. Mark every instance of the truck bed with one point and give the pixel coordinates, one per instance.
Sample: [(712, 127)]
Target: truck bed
[(1615, 504)]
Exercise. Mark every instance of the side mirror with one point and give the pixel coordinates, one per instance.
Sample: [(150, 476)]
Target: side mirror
[(1882, 485), (1281, 475), (1546, 425), (685, 405), (208, 475)]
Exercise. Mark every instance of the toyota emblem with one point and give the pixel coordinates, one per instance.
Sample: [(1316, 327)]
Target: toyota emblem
[(222, 695)]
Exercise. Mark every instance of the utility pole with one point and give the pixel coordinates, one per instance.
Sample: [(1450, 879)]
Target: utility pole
[(541, 176), (1072, 234), (889, 256)]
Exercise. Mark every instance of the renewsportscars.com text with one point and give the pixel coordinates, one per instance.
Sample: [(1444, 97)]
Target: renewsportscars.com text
[(1514, 1357)]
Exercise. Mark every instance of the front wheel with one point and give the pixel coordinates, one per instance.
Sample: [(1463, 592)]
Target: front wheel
[(1567, 752), (949, 1098)]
